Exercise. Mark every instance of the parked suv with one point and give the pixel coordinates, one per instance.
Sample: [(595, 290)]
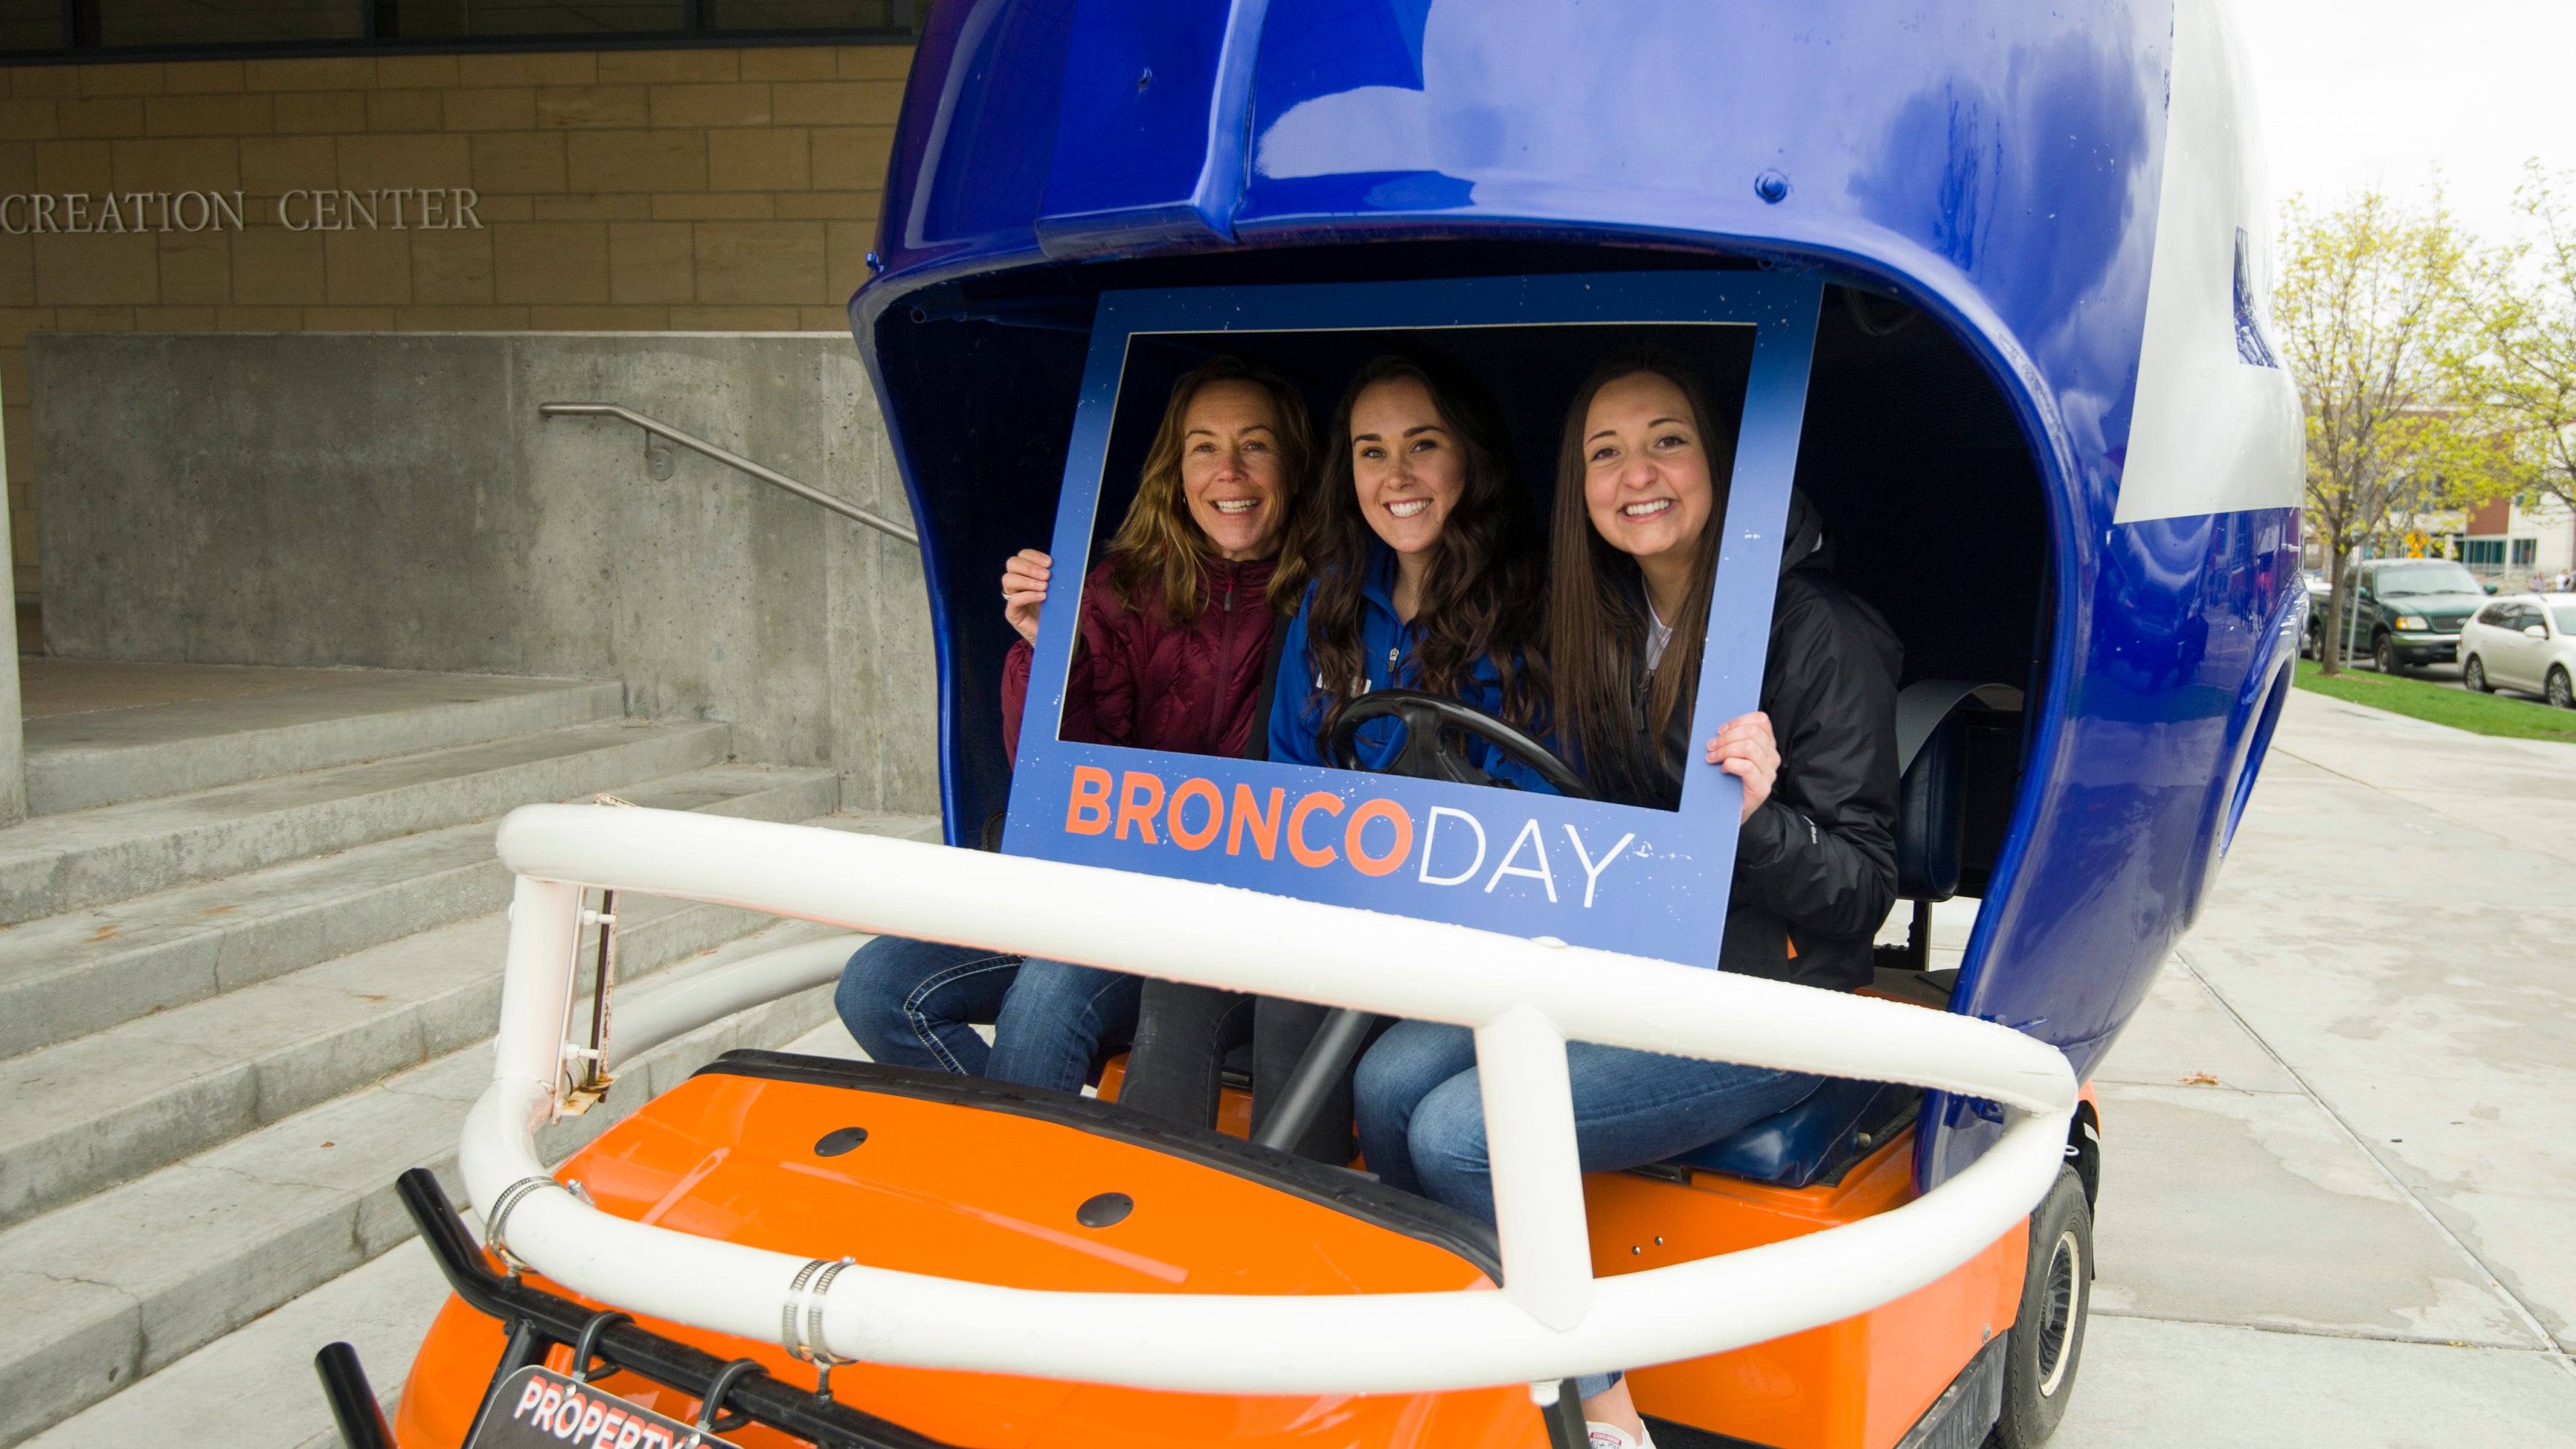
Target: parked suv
[(2523, 643), (2406, 612)]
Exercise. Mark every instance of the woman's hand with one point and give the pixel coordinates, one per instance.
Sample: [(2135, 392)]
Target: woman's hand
[(1745, 750), (1024, 588)]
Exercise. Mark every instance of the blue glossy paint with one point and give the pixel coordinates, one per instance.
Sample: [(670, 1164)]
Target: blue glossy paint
[(1997, 165), (1146, 147)]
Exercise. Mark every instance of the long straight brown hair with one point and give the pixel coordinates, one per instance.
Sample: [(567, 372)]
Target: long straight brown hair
[(1158, 541), (1596, 614), (1484, 593)]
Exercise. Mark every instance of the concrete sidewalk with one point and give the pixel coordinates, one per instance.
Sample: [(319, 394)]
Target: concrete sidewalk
[(2358, 1231)]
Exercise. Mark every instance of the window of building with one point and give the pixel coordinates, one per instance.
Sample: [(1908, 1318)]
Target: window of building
[(30, 25), (221, 22), (440, 19), (2483, 553), (795, 15), (2526, 551), (120, 29)]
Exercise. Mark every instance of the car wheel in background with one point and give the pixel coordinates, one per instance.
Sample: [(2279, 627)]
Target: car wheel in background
[(2309, 648), (2048, 1337), (2383, 652), (2561, 696), (2474, 675)]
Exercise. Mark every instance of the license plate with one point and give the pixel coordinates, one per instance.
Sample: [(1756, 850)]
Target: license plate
[(537, 1406)]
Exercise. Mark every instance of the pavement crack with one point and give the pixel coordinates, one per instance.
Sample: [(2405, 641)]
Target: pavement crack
[(2495, 1282), (84, 1280), (2329, 769), (2311, 1330)]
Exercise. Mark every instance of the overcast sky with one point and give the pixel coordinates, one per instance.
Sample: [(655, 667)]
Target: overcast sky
[(2379, 92)]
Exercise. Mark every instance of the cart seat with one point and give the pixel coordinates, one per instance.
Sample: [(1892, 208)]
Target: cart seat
[(1818, 1140), (1842, 1121)]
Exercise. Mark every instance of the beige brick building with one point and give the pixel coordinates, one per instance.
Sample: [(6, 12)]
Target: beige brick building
[(714, 189)]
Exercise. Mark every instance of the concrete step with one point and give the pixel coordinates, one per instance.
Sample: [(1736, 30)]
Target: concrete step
[(66, 976), (57, 863), (253, 1388), (113, 1288), (310, 720), (83, 1115)]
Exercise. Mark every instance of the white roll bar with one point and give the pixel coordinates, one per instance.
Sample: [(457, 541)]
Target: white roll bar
[(1524, 999)]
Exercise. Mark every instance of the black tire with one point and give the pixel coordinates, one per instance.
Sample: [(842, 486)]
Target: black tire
[(2383, 652), (2561, 695), (2309, 648), (2047, 1340), (2474, 675)]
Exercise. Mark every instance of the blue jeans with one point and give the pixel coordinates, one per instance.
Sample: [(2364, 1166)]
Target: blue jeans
[(915, 1004), (1422, 1114)]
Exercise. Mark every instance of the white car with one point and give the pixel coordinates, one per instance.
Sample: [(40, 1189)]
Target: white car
[(2524, 642)]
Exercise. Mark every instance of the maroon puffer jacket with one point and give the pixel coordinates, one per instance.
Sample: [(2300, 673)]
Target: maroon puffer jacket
[(1140, 680)]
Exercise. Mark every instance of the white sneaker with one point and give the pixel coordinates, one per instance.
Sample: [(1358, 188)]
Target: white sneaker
[(1611, 1436)]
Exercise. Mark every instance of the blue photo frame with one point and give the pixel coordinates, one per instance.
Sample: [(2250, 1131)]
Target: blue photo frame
[(1644, 881)]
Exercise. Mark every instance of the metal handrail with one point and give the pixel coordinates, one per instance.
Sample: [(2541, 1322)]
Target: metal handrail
[(732, 460)]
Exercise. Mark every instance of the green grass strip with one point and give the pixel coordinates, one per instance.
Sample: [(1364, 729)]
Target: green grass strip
[(2442, 704)]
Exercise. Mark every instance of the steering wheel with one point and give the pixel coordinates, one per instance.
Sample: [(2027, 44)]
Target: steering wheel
[(1426, 754)]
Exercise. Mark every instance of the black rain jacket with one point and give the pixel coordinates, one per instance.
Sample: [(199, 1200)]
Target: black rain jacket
[(1815, 866)]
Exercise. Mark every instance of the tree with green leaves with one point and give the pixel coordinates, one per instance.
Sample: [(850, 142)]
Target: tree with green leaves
[(2530, 369), (2381, 314)]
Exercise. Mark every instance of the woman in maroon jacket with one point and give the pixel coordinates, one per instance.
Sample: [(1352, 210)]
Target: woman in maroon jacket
[(1175, 629)]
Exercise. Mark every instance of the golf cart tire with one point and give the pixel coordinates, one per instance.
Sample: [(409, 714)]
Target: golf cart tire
[(2047, 1340)]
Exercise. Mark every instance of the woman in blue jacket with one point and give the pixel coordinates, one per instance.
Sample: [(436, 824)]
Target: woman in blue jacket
[(1431, 574), (1428, 567)]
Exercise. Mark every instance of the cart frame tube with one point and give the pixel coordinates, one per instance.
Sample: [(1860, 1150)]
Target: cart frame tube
[(1523, 998)]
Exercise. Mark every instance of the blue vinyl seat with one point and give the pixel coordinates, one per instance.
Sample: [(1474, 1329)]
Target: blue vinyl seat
[(1818, 1140), (1843, 1120)]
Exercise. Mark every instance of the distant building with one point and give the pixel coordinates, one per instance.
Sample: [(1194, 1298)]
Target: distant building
[(2507, 542)]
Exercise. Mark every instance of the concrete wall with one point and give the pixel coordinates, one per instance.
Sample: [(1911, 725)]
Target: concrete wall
[(395, 501), (13, 733), (711, 188)]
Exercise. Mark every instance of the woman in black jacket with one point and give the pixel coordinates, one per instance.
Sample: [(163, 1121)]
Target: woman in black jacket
[(1640, 506)]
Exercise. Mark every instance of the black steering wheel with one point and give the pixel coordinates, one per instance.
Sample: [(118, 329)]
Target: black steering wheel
[(1427, 754)]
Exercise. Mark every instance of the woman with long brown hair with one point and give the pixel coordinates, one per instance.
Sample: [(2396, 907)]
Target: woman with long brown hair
[(1176, 627), (1640, 509), (1427, 568), (1427, 575)]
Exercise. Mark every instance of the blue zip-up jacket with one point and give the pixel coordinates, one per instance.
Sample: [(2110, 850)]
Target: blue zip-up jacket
[(1297, 710)]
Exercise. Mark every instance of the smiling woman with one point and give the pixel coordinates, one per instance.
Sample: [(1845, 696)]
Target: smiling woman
[(1174, 627), (1428, 567), (1428, 576), (1638, 443), (1176, 619), (1218, 483)]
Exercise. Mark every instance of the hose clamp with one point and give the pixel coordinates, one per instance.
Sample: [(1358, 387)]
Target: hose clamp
[(498, 1220), (801, 1332)]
